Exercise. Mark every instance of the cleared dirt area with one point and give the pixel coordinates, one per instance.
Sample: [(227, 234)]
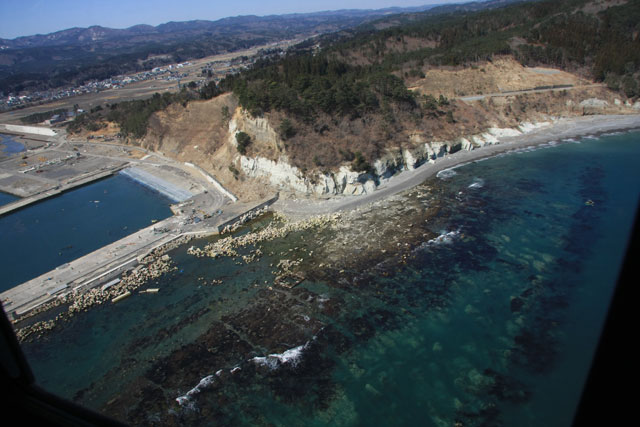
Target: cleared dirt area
[(502, 75)]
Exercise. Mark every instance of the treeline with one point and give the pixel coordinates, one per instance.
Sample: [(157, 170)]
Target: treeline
[(131, 116), (41, 117), (306, 84), (548, 32), (607, 43)]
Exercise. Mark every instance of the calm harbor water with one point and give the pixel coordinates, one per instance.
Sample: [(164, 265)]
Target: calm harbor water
[(45, 235), (7, 198), (483, 306)]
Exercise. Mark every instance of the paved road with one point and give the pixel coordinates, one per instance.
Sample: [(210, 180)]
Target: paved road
[(519, 92), (566, 128)]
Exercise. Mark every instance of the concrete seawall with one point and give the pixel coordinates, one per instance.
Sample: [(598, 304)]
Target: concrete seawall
[(83, 273), (214, 181), (248, 210), (70, 185), (158, 184), (34, 130), (110, 261)]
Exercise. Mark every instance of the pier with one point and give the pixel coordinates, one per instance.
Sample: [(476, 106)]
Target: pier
[(59, 189), (109, 262)]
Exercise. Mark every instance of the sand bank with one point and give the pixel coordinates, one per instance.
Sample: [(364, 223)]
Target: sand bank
[(158, 184)]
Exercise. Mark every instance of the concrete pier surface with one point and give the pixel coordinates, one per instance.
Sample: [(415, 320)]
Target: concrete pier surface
[(47, 169), (59, 189), (108, 262), (87, 271), (60, 165)]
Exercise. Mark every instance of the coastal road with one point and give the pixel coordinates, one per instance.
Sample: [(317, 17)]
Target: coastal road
[(562, 129), (520, 92)]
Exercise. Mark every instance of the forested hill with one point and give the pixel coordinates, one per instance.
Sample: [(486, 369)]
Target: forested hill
[(348, 100), (78, 55), (366, 72)]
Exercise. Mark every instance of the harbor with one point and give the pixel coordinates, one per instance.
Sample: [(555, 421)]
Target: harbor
[(199, 209), (109, 262)]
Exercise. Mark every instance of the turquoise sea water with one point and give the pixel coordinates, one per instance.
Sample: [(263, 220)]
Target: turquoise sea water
[(493, 323), (45, 235)]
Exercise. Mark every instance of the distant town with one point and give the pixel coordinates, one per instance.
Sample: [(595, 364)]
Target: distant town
[(214, 70)]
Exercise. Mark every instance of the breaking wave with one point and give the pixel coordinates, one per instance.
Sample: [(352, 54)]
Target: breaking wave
[(186, 401), (289, 357), (477, 183), (445, 238), (446, 173)]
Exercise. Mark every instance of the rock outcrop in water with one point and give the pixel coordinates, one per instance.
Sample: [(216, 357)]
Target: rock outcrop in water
[(154, 265)]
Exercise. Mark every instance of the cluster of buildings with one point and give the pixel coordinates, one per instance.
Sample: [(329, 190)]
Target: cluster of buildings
[(169, 73), (175, 72)]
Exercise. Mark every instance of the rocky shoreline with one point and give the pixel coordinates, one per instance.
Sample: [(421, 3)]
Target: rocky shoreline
[(285, 273), (505, 140), (158, 263), (154, 265)]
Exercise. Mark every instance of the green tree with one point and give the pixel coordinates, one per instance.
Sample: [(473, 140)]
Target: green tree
[(360, 164), (226, 115), (243, 141), (450, 118), (286, 129), (630, 86)]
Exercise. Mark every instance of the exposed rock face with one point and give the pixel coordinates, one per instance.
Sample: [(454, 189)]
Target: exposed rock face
[(325, 185), (389, 164), (281, 174), (258, 127), (594, 103)]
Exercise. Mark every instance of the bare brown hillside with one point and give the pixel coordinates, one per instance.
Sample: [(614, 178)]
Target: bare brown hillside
[(195, 129), (501, 75), (200, 131)]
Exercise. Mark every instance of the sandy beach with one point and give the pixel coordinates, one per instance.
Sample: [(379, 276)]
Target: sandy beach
[(556, 131)]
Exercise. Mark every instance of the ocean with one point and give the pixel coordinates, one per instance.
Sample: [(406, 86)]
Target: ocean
[(43, 236), (476, 298)]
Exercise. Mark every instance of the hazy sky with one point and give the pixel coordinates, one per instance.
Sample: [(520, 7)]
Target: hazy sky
[(28, 17)]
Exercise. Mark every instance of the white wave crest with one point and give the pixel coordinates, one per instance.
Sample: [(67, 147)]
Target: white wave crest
[(446, 173), (290, 357), (445, 238), (477, 183), (186, 401), (573, 140)]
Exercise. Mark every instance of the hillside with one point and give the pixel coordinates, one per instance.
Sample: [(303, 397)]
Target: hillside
[(375, 102), (77, 55)]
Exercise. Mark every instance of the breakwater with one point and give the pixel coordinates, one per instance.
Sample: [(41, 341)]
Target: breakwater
[(59, 189), (126, 254)]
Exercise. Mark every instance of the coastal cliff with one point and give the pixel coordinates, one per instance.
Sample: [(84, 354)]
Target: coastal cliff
[(284, 176), (203, 134)]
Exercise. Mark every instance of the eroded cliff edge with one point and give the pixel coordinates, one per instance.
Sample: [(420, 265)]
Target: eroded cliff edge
[(321, 163)]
